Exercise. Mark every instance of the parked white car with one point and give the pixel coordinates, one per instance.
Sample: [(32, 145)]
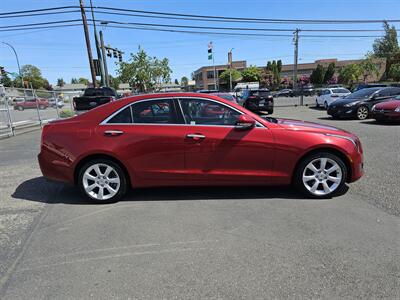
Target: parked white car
[(327, 96)]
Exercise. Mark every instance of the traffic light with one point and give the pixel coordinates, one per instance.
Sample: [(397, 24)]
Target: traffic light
[(109, 54), (120, 56), (210, 51), (115, 54), (2, 71)]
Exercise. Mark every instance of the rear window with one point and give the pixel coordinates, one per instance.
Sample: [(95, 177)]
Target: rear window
[(123, 117), (90, 92), (340, 91)]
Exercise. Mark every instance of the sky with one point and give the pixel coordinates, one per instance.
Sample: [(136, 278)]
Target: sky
[(61, 53)]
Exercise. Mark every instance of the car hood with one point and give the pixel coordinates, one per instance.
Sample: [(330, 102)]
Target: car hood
[(343, 101), (298, 125), (392, 105)]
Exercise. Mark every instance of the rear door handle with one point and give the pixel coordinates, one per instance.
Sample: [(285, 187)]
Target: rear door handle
[(196, 136), (113, 132)]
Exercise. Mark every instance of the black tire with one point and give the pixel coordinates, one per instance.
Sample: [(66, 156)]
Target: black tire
[(298, 175), (359, 113), (123, 181), (270, 112), (20, 108)]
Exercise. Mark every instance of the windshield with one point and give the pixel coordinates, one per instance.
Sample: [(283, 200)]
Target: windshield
[(99, 92), (362, 94)]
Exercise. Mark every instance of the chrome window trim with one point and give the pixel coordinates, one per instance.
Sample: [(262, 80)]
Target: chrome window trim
[(104, 122)]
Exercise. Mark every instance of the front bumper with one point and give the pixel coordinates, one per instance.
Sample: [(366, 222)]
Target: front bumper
[(342, 111), (385, 115)]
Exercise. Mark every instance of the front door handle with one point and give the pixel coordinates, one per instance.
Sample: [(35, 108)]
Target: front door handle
[(196, 136), (113, 132)]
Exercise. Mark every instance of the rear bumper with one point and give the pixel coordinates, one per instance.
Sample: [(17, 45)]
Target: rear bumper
[(55, 169)]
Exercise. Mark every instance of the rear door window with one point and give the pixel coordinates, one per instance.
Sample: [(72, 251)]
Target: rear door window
[(123, 117), (161, 111)]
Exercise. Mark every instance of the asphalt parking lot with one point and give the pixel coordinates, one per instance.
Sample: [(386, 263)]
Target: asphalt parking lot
[(224, 243)]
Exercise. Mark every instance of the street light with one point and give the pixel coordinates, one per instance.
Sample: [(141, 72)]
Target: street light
[(16, 56)]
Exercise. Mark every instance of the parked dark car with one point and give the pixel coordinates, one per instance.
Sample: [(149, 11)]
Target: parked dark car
[(359, 104), (305, 90), (388, 111), (368, 85), (26, 103), (258, 100), (284, 93), (94, 97)]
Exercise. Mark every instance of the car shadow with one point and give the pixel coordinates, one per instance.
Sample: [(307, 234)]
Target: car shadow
[(317, 108), (374, 122), (40, 190)]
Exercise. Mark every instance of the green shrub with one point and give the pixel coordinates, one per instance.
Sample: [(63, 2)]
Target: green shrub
[(66, 113)]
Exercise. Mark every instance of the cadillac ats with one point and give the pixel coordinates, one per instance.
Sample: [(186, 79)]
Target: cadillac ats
[(192, 139)]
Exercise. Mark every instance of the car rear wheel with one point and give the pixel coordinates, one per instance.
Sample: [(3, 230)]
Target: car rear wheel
[(102, 181), (362, 112), (321, 175), (20, 108)]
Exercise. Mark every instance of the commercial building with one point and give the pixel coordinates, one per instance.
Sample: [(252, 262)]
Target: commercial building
[(204, 77)]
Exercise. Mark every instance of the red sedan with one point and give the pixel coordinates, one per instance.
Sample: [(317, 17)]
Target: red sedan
[(177, 142), (388, 111)]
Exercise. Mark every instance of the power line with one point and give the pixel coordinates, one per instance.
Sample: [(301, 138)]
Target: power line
[(38, 14), (152, 25), (214, 18)]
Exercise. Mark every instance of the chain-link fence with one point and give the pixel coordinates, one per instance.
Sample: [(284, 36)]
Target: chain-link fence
[(28, 107)]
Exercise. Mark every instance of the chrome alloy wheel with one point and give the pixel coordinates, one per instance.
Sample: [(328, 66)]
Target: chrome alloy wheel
[(362, 113), (322, 176), (101, 181)]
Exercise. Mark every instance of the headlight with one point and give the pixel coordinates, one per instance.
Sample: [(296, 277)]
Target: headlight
[(397, 109), (343, 137), (351, 104)]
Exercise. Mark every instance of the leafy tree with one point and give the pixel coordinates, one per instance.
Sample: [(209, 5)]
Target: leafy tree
[(225, 76), (394, 72), (184, 81), (84, 81), (269, 66), (386, 46), (369, 67), (61, 82), (114, 82), (279, 66), (33, 75), (176, 81), (144, 72), (74, 81), (251, 73), (317, 76), (330, 71), (350, 74), (5, 80)]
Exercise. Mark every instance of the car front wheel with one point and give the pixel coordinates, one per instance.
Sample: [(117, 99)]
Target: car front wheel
[(102, 181), (321, 175)]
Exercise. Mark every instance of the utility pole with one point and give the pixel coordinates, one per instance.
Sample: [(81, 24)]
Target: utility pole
[(230, 69), (96, 39), (88, 47), (296, 53), (103, 52)]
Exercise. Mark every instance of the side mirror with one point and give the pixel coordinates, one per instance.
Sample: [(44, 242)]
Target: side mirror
[(244, 122)]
